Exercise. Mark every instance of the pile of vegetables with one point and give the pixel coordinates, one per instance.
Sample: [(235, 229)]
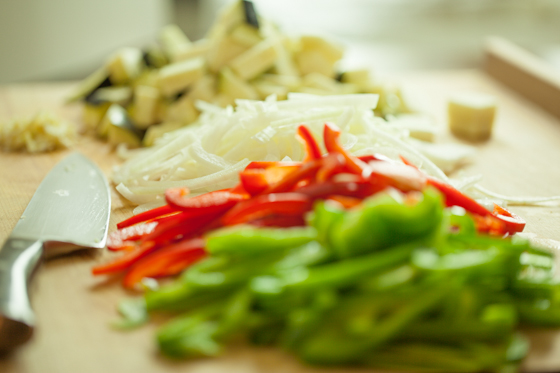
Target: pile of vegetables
[(209, 154), (43, 132), (341, 260), (243, 56)]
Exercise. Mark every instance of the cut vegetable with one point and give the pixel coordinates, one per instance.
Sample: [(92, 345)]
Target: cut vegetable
[(178, 76), (471, 115), (254, 61), (125, 65), (243, 56)]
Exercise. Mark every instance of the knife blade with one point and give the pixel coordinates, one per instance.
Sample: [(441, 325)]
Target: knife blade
[(69, 210)]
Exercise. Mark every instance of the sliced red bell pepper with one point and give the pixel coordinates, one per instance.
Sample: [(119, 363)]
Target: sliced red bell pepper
[(268, 204), (312, 149), (179, 226), (123, 239), (403, 177), (183, 226), (124, 261), (331, 133), (256, 181), (333, 163), (148, 215), (357, 189), (282, 221), (373, 157), (202, 204), (267, 164), (286, 184), (345, 201), (489, 224), (513, 223), (167, 261), (454, 197)]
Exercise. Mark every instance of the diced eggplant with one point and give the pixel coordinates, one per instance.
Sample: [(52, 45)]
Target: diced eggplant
[(359, 77), (154, 57), (250, 14), (309, 61), (320, 81), (182, 111), (266, 89), (178, 76), (93, 114), (158, 130), (328, 49), (99, 78), (233, 86), (228, 18), (222, 51), (246, 35), (173, 41), (113, 94), (199, 48), (118, 127), (125, 65), (146, 99), (204, 89), (289, 81), (255, 61)]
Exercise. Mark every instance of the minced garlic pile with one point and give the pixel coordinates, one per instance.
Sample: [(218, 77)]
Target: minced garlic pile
[(40, 133)]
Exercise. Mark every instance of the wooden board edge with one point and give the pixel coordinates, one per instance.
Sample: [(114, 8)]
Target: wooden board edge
[(523, 72)]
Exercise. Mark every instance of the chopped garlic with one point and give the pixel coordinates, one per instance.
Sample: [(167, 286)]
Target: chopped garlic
[(40, 133)]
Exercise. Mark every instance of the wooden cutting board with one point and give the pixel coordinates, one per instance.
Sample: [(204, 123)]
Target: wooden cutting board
[(74, 309)]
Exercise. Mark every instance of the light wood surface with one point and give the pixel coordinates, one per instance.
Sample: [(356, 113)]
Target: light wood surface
[(523, 72), (74, 309)]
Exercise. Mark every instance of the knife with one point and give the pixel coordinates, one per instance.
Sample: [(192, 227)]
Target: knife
[(69, 210)]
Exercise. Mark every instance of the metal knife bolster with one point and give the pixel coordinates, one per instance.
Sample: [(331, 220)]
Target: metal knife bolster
[(18, 259)]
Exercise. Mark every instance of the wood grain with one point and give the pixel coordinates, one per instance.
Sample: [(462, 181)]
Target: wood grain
[(524, 72), (74, 309)]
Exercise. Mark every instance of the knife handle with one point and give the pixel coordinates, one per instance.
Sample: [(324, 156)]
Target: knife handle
[(18, 260)]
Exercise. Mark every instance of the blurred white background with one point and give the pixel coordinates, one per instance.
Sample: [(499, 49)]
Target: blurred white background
[(67, 39)]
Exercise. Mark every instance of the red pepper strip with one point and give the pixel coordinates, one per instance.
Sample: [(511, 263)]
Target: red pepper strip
[(333, 163), (183, 226), (122, 239), (281, 221), (268, 204), (403, 177), (124, 261), (147, 215), (489, 224), (202, 204), (307, 170), (358, 189), (180, 225), (513, 223), (267, 164), (256, 181), (374, 157), (345, 201), (253, 180), (167, 261), (453, 197), (331, 133), (238, 189), (312, 149)]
